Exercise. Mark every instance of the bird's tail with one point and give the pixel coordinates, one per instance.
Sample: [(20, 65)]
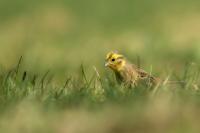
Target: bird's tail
[(156, 81)]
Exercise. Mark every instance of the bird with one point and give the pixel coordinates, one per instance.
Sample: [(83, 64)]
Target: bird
[(128, 73)]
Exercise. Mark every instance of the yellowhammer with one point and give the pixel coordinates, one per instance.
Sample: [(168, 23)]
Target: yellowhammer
[(126, 72)]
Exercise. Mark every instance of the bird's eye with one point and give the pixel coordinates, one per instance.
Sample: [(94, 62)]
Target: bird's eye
[(113, 60)]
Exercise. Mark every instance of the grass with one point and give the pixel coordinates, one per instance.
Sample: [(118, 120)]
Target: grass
[(60, 85), (31, 103)]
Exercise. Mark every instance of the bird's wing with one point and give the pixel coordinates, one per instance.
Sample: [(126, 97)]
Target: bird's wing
[(142, 74)]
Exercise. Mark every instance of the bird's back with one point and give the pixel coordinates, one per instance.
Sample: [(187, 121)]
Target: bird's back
[(131, 74)]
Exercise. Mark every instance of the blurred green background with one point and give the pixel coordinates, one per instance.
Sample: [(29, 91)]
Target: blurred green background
[(60, 35)]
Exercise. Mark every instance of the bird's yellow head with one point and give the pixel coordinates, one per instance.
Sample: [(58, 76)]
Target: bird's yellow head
[(115, 61)]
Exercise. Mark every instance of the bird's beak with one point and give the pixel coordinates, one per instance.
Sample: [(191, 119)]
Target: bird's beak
[(106, 64)]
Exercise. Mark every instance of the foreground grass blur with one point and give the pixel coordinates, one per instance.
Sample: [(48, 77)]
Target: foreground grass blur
[(31, 103)]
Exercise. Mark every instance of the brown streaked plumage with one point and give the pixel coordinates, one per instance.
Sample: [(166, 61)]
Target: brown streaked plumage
[(126, 72)]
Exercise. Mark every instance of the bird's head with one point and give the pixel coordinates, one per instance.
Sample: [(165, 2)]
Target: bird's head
[(115, 61)]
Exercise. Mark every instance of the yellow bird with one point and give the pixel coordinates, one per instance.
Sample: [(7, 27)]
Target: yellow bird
[(126, 72)]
